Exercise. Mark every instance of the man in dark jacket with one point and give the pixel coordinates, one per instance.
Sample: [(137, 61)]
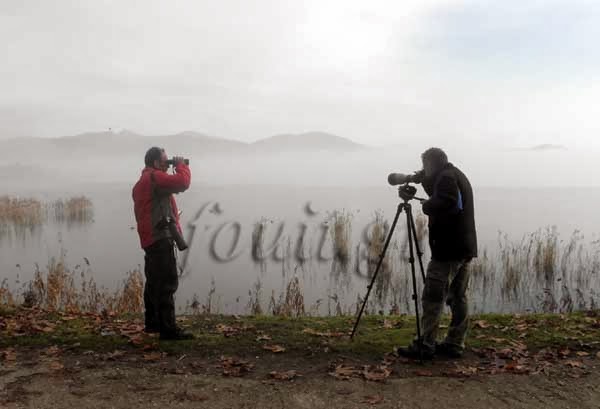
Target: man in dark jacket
[(153, 205), (453, 243)]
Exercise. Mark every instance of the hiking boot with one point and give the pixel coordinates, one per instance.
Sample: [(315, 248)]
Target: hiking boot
[(412, 351), (178, 335), (449, 350)]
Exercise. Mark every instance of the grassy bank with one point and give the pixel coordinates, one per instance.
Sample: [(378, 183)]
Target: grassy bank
[(252, 335)]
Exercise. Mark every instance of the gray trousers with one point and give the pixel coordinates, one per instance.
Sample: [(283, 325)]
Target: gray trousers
[(445, 282)]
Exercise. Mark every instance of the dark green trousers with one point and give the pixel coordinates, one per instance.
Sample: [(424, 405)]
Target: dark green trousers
[(446, 282)]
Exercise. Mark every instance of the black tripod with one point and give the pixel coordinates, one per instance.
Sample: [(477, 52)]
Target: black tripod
[(406, 193)]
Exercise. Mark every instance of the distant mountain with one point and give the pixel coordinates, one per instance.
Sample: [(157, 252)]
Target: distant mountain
[(306, 142), (128, 145), (548, 147)]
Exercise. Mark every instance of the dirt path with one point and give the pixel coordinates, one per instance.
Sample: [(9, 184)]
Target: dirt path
[(84, 383)]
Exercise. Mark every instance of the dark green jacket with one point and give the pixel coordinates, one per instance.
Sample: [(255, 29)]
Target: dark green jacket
[(452, 233)]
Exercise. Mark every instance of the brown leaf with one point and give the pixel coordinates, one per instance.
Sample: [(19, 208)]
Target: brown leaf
[(115, 354), (517, 368), (465, 370), (521, 327), (376, 374), (598, 355), (574, 364), (283, 376), (226, 330), (274, 348), (234, 366), (387, 324), (564, 352), (328, 334), (582, 353), (52, 351), (9, 355), (56, 366), (344, 372), (153, 356), (263, 337), (423, 372), (372, 399), (481, 324)]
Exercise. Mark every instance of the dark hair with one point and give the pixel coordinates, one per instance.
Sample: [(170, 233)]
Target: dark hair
[(154, 153), (436, 156)]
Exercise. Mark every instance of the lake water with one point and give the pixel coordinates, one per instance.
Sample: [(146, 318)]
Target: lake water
[(112, 248)]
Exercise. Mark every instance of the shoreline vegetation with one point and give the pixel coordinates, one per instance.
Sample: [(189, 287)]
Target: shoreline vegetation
[(540, 273)]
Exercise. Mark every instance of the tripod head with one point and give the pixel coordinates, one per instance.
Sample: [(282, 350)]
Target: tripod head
[(407, 192)]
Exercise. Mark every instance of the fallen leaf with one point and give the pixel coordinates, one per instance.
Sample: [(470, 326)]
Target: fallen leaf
[(481, 324), (283, 376), (9, 355), (226, 330), (274, 348), (565, 352), (234, 366), (582, 353), (52, 351), (376, 374), (598, 355), (56, 366), (574, 364), (344, 372), (387, 324), (153, 356), (522, 327), (423, 372), (517, 368), (328, 334), (115, 354), (465, 370), (263, 338), (372, 400)]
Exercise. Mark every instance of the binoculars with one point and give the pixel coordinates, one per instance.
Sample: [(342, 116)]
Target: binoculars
[(171, 162)]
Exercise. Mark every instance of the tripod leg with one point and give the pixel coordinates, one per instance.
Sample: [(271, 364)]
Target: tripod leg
[(379, 263), (417, 246), (411, 234)]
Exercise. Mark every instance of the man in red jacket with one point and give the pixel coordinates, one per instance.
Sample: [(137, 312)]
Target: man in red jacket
[(154, 203)]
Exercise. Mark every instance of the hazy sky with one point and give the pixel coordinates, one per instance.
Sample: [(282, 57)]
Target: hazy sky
[(497, 73)]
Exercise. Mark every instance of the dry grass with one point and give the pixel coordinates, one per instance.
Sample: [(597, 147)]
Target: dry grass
[(341, 233), (18, 216), (254, 306), (540, 273), (75, 210), (60, 288), (290, 304)]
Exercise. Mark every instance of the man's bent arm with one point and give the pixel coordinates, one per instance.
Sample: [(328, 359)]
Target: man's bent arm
[(176, 183), (444, 199)]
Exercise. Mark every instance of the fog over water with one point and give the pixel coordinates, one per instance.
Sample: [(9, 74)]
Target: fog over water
[(294, 113)]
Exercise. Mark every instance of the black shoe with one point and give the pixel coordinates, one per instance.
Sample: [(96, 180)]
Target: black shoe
[(449, 350), (412, 351), (149, 329), (178, 335)]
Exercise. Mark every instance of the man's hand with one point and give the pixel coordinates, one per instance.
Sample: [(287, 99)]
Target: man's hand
[(177, 160)]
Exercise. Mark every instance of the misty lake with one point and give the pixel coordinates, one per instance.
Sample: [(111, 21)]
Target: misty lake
[(110, 244)]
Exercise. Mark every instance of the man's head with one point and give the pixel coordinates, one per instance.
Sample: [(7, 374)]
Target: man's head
[(433, 160), (156, 158)]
